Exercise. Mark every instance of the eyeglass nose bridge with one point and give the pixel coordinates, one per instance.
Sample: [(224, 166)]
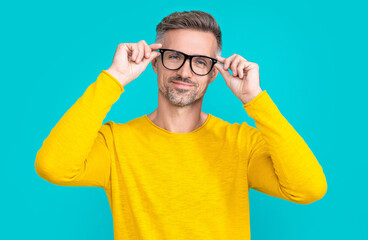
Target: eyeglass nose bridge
[(190, 62)]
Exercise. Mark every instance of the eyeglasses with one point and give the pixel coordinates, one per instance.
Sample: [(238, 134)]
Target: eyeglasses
[(173, 60)]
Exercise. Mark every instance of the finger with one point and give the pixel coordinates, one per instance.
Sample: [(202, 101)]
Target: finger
[(151, 57), (240, 69), (221, 59), (140, 52), (249, 65), (225, 74), (234, 66), (129, 48), (228, 61), (155, 46), (134, 52), (122, 49), (147, 50), (154, 55)]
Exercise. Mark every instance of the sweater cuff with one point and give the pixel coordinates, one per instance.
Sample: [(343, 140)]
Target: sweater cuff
[(107, 75), (259, 99), (262, 102)]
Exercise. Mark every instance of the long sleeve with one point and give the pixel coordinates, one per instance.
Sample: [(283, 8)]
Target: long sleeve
[(280, 163), (77, 150)]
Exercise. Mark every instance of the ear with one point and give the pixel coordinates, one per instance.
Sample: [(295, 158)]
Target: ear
[(154, 64), (213, 74)]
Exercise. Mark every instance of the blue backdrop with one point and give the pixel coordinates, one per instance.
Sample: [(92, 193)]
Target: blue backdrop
[(313, 62)]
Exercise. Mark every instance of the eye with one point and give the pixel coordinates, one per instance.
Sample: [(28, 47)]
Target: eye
[(201, 62)]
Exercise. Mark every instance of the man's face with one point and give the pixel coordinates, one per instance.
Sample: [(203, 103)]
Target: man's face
[(190, 42)]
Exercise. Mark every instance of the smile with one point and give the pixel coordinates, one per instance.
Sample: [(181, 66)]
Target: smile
[(181, 84)]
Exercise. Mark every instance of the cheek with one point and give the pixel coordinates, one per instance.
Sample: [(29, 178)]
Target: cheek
[(162, 79), (203, 87)]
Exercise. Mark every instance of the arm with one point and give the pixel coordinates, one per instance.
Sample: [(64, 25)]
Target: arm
[(280, 163), (77, 150)]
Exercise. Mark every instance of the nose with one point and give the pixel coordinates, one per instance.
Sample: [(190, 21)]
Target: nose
[(185, 71)]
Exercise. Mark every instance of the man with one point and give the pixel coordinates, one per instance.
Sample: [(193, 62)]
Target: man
[(180, 173)]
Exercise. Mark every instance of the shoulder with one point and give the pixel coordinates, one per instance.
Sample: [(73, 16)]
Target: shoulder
[(131, 125), (235, 127), (237, 131), (241, 133)]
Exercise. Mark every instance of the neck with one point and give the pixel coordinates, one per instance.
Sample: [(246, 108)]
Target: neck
[(178, 119)]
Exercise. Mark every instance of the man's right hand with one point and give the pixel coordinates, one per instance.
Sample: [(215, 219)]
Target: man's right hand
[(131, 59)]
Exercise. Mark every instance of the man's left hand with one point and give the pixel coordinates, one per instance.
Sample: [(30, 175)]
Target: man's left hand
[(244, 82)]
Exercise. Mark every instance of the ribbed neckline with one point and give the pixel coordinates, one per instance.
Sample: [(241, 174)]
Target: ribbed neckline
[(164, 131)]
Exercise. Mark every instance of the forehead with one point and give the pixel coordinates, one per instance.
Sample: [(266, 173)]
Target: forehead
[(191, 42)]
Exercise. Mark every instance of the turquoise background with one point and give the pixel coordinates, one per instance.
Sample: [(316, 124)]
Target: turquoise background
[(313, 63)]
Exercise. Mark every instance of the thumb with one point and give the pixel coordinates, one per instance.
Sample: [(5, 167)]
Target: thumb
[(225, 74), (152, 56)]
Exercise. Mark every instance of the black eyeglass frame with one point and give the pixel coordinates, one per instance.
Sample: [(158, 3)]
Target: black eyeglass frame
[(186, 56)]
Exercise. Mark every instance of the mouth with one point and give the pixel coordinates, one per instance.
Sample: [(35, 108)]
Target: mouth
[(182, 84)]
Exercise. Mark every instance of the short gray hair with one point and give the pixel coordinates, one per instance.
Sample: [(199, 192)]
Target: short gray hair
[(195, 20)]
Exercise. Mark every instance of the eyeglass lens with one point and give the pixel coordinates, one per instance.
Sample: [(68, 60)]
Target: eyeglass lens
[(200, 65)]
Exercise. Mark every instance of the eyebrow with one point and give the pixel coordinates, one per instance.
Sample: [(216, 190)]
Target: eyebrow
[(191, 54)]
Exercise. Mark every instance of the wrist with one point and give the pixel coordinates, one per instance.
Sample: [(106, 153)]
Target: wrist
[(249, 97), (118, 76)]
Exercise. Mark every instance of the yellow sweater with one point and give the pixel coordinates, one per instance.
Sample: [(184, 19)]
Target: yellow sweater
[(173, 186)]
